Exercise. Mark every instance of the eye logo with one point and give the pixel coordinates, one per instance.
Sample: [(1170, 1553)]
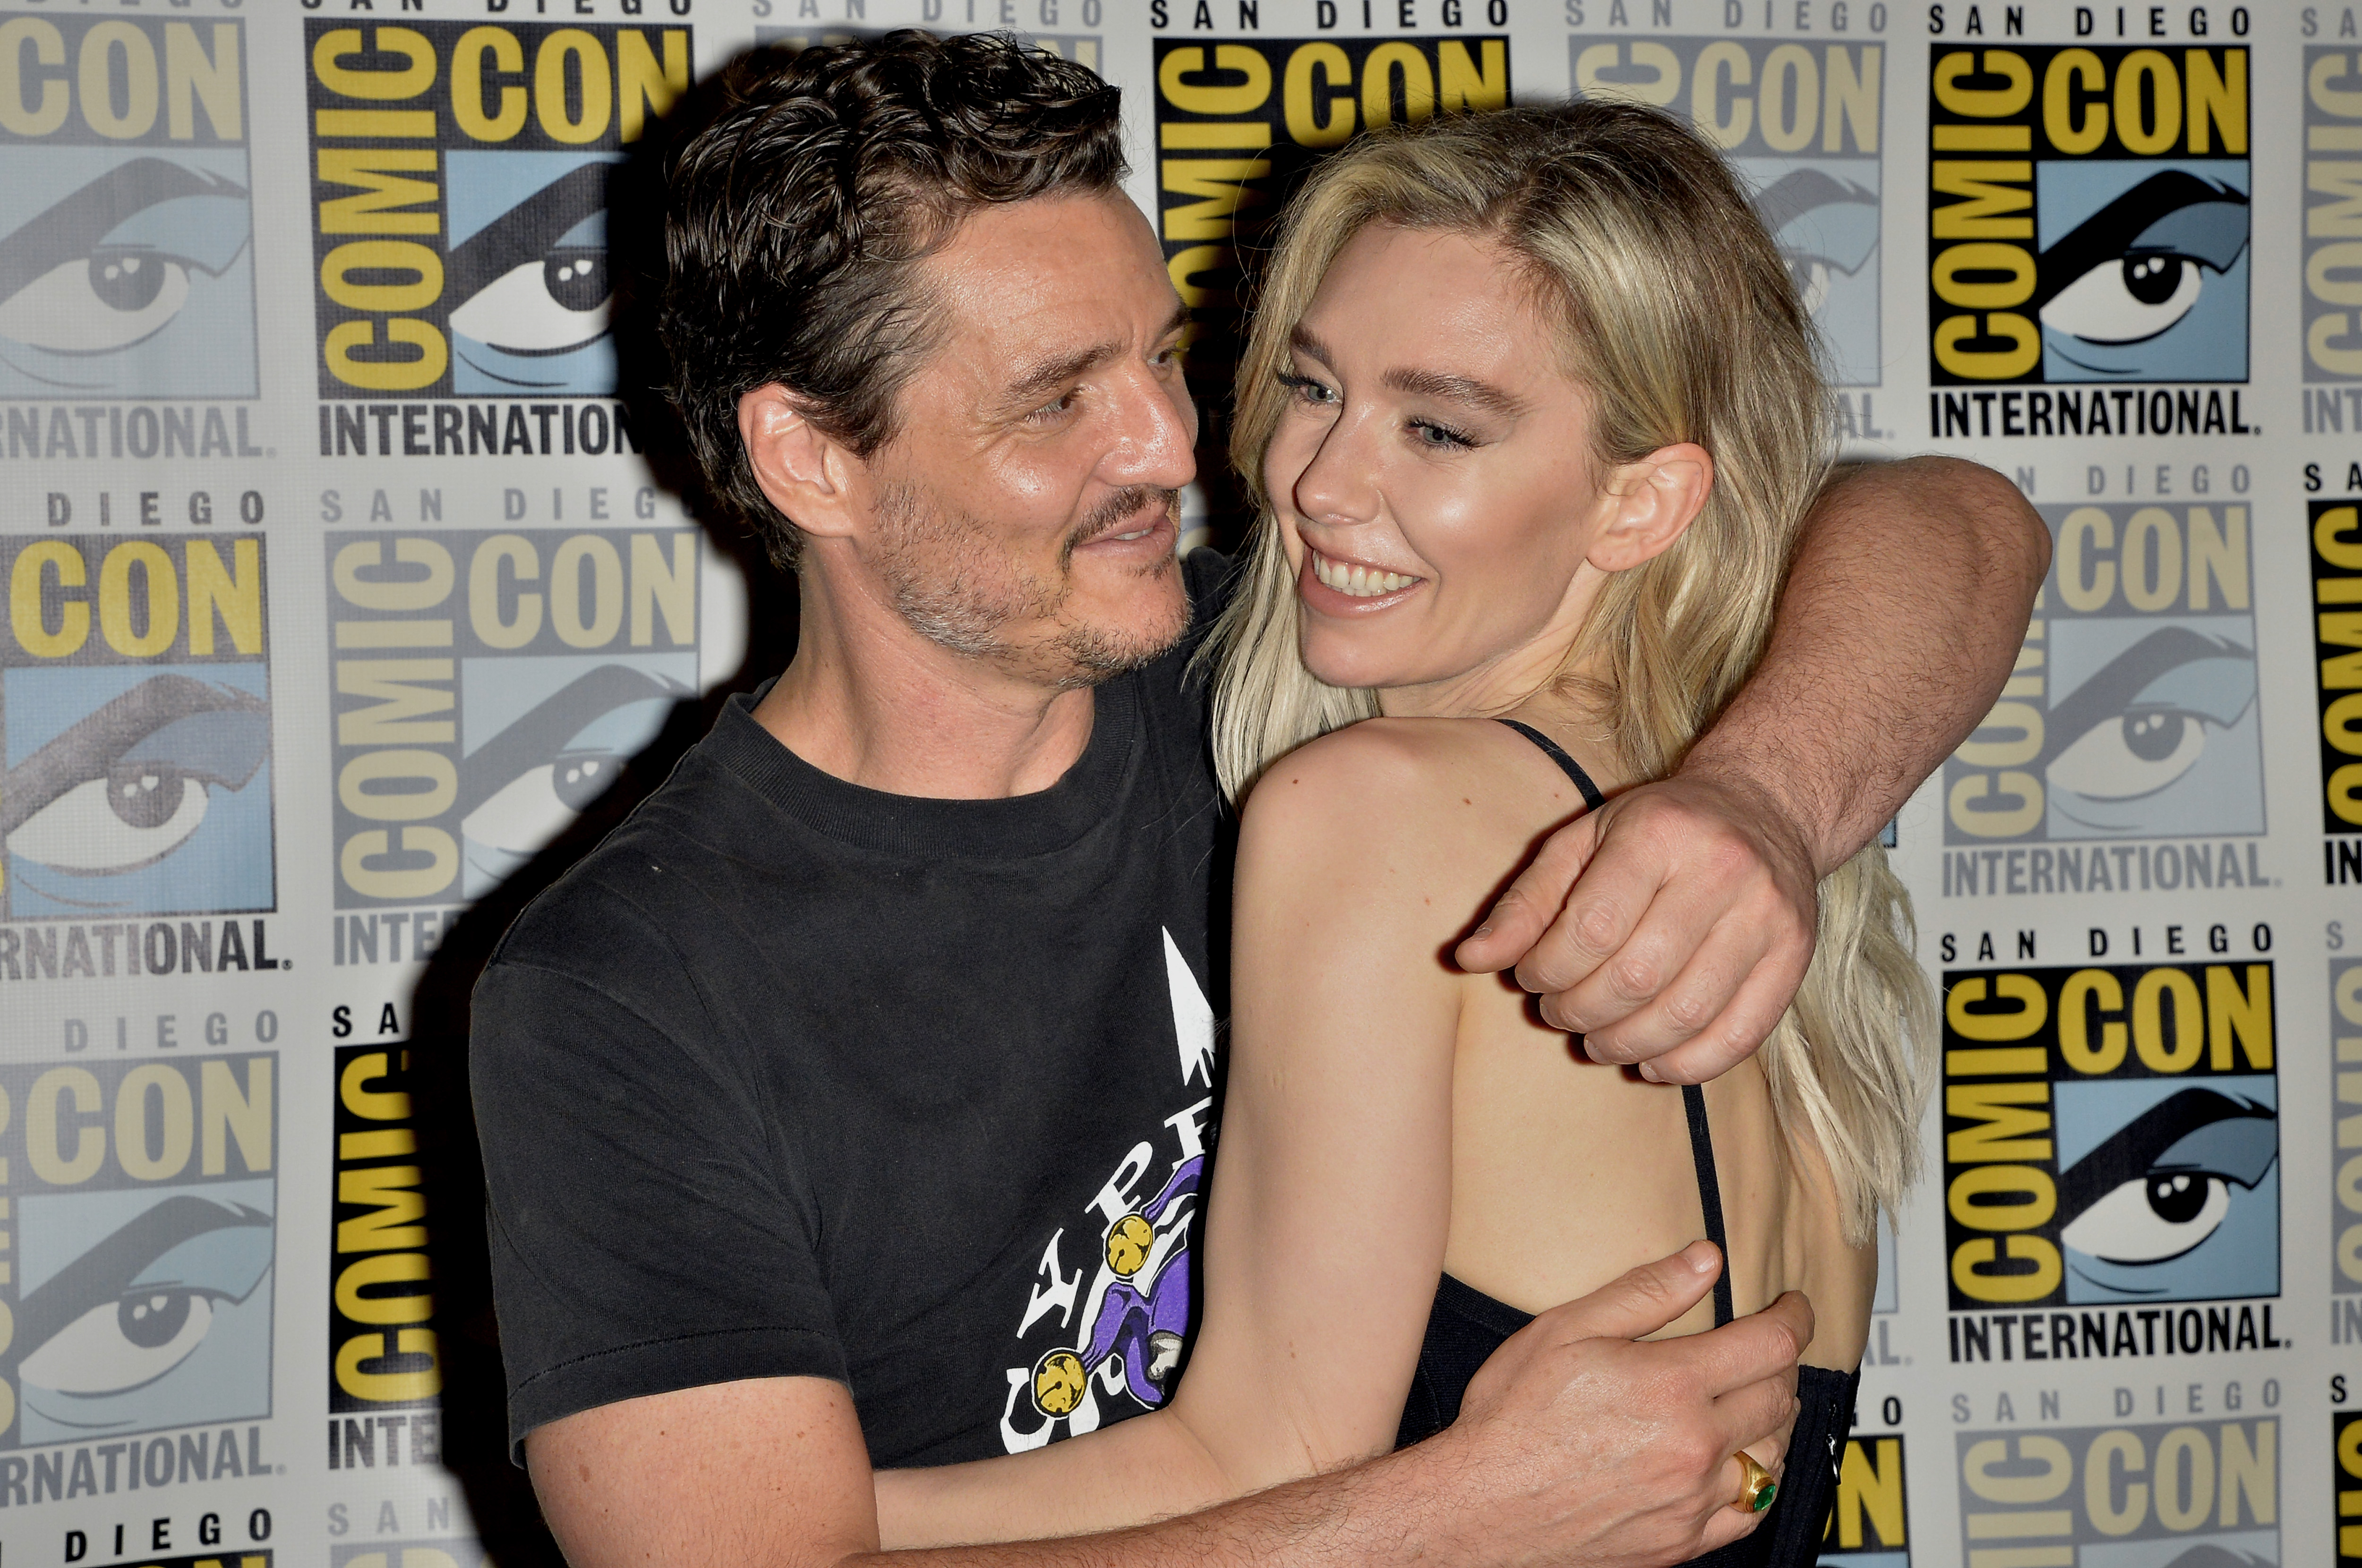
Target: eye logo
[(89, 285), (2137, 1208), (2151, 286), (1827, 228), (135, 728), (1801, 124), (2117, 746), (114, 1339), (121, 788), (126, 269), (141, 1218), (522, 787), (527, 274)]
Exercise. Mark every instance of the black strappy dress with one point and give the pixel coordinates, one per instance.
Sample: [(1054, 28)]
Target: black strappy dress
[(1466, 1326)]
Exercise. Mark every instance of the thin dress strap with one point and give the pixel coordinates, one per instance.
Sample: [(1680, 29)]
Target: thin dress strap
[(1592, 799), (1709, 1196), (1693, 1098)]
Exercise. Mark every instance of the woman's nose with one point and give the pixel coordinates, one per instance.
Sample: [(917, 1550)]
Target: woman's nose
[(1339, 484)]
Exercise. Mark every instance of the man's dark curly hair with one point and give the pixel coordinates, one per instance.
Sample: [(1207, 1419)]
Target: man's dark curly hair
[(797, 214)]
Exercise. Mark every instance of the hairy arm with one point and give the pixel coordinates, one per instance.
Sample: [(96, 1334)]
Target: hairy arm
[(1576, 1446), (1674, 927)]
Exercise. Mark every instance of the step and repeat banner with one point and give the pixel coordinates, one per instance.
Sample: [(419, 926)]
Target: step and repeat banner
[(349, 571)]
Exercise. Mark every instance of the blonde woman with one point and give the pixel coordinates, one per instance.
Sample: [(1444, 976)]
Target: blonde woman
[(1531, 414)]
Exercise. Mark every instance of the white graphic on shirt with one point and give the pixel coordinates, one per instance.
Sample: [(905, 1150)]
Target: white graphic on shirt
[(1193, 1018), (1121, 1339)]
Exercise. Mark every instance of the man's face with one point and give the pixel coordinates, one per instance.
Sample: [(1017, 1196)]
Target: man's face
[(1026, 513)]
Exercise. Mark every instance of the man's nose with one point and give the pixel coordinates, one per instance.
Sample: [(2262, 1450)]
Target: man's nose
[(1156, 432)]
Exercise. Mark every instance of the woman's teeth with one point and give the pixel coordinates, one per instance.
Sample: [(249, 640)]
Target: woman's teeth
[(1357, 582)]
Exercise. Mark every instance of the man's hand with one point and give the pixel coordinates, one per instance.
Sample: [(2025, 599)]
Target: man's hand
[(1579, 1443), (1670, 927), (1676, 923)]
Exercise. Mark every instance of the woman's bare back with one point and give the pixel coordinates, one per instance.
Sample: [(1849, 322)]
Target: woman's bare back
[(1565, 1173)]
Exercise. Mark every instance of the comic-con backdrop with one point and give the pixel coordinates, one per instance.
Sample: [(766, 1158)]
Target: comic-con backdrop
[(351, 584)]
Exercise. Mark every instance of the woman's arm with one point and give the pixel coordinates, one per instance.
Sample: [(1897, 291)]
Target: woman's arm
[(1326, 1222)]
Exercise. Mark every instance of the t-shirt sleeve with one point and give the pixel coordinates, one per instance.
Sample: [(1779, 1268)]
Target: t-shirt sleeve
[(646, 1234)]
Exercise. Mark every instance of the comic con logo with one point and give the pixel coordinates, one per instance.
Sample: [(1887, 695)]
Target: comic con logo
[(2205, 1495), (2336, 529), (2111, 1135), (382, 1354), (135, 726), (143, 1203), (2088, 215), (460, 197), (488, 687), (1237, 124), (1800, 125), (125, 268), (1868, 1526), (2333, 215), (2132, 711), (2345, 1439), (2345, 1026)]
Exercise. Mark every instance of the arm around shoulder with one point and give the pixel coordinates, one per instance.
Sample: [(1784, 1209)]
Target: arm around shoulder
[(1905, 609)]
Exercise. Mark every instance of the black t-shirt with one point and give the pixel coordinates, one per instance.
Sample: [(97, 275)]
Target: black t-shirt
[(789, 1076)]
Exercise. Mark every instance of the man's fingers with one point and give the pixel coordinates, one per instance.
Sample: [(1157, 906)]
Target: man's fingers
[(1758, 1418), (1742, 1353), (1731, 1523), (1521, 915), (1726, 952), (1731, 1038), (1641, 1301), (1607, 905)]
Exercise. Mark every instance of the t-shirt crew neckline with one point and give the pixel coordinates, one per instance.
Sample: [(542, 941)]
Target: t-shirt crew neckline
[(1009, 828)]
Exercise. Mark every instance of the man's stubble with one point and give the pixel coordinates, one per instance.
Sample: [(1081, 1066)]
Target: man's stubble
[(953, 586)]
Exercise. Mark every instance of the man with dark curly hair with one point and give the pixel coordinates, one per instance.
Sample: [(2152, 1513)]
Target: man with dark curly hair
[(850, 1105)]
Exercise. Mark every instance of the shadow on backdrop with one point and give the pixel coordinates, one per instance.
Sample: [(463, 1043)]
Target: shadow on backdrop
[(474, 1420)]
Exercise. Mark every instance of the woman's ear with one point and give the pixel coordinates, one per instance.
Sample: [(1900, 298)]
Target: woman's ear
[(806, 474), (1653, 500)]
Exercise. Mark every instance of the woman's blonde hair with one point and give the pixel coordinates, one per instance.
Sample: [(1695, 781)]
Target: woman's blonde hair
[(1677, 312)]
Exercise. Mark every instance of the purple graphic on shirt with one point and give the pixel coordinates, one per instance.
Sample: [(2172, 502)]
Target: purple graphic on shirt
[(1147, 1327)]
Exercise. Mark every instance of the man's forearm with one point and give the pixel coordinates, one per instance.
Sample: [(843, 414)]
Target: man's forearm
[(1359, 1515), (1902, 619)]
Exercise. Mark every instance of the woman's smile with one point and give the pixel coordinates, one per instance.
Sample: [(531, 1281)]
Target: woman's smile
[(1356, 579)]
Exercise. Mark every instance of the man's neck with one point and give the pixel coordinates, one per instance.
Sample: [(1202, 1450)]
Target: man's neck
[(869, 700)]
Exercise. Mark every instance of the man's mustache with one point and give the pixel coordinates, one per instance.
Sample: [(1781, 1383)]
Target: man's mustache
[(1124, 506)]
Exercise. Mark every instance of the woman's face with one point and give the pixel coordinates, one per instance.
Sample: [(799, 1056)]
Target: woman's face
[(1432, 478)]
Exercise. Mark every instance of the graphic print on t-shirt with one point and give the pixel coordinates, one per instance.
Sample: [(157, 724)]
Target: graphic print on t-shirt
[(1112, 1348)]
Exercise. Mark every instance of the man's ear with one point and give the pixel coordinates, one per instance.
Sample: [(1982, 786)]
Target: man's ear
[(806, 472), (1653, 502)]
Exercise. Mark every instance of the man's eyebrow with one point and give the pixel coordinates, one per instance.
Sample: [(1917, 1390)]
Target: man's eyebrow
[(1045, 377), (1456, 389)]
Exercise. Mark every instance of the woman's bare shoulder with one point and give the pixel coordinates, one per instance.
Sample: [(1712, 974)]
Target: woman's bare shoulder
[(1456, 803)]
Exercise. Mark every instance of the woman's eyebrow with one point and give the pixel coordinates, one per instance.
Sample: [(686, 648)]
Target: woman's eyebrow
[(1456, 389), (1424, 384)]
